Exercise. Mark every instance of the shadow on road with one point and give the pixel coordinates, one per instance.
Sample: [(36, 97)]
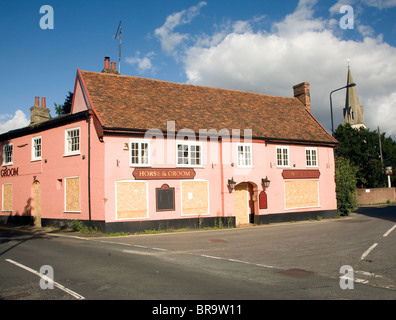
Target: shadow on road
[(7, 235), (380, 212)]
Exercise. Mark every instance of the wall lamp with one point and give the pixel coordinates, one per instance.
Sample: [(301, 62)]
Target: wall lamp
[(232, 183), (265, 182)]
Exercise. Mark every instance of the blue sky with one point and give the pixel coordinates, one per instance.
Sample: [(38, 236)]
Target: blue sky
[(258, 46)]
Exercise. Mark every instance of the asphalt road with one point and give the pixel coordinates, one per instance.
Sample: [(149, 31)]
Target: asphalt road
[(281, 261)]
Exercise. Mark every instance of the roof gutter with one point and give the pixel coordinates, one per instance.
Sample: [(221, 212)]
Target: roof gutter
[(120, 130)]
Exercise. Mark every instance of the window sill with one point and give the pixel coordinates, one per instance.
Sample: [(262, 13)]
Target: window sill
[(7, 164), (71, 155), (189, 166), (140, 165)]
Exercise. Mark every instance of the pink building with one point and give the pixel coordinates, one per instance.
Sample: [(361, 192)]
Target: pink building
[(137, 153)]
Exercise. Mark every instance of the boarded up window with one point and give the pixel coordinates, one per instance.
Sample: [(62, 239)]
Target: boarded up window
[(7, 197), (195, 197), (301, 194), (131, 199), (72, 194)]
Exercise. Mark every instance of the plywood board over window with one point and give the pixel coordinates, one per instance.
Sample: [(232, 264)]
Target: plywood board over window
[(131, 199), (195, 197), (72, 194), (301, 194), (7, 197)]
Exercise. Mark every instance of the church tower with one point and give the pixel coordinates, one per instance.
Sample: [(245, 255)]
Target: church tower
[(353, 111)]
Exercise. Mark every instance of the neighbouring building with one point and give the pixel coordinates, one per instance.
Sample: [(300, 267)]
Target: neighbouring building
[(137, 153)]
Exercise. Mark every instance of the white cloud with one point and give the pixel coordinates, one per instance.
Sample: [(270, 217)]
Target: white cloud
[(143, 64), (380, 4), (9, 122), (300, 48), (383, 114), (169, 39)]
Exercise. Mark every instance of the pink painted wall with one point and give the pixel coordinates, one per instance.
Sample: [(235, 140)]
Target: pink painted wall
[(51, 172), (110, 163), (163, 152), (117, 168)]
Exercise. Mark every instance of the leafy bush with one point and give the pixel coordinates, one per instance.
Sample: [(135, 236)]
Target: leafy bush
[(345, 174)]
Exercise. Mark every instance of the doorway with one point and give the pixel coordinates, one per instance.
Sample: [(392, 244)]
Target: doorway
[(244, 203)]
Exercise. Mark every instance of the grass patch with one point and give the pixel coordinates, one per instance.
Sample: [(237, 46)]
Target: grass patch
[(156, 231), (117, 234), (79, 226)]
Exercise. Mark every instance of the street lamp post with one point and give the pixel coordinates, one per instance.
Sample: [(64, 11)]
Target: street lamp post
[(331, 103)]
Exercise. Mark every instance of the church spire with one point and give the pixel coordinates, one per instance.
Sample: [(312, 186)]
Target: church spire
[(353, 111)]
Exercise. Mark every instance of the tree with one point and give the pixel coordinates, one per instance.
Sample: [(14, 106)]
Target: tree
[(345, 174), (64, 108), (363, 149)]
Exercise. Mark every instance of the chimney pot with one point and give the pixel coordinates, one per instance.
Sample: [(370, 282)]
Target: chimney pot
[(39, 114), (107, 63), (302, 93), (113, 65)]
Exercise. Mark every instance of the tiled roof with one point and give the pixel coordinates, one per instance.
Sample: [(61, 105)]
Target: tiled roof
[(139, 103)]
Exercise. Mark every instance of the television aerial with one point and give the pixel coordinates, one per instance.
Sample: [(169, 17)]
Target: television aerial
[(119, 35)]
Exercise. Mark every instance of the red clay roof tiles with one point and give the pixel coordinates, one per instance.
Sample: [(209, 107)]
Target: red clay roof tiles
[(139, 103)]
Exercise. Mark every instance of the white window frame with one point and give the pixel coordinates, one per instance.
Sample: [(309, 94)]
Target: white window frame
[(244, 158), (34, 148), (309, 159), (284, 164), (140, 154), (8, 163), (68, 142), (189, 145)]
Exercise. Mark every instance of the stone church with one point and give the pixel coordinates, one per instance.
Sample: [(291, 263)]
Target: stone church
[(353, 111)]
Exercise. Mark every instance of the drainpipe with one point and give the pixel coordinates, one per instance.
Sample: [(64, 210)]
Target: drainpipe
[(89, 167), (221, 175)]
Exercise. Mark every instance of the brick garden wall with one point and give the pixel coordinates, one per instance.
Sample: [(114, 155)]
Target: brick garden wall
[(375, 195)]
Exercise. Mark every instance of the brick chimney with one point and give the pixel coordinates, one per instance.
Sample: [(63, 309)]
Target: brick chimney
[(39, 114), (107, 68), (301, 92)]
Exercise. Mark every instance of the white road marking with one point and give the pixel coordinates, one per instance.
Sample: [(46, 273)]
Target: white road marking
[(361, 281), (235, 260), (71, 292), (389, 231), (369, 274), (366, 253), (159, 249)]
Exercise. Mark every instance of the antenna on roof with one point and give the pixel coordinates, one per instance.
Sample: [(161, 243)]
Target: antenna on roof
[(119, 35)]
